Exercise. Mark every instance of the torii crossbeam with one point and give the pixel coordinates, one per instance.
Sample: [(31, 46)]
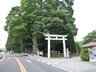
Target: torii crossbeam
[(56, 37)]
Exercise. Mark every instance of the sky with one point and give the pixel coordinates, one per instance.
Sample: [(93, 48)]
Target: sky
[(5, 7), (84, 13)]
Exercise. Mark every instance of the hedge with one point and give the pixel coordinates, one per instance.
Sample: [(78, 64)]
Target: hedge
[(84, 55)]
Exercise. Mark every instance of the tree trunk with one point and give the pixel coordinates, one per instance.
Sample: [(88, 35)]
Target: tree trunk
[(21, 45), (35, 47)]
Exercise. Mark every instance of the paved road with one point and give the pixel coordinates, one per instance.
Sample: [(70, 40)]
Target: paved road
[(19, 63)]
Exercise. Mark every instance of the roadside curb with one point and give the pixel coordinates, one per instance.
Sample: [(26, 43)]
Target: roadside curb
[(1, 56), (94, 63), (57, 64)]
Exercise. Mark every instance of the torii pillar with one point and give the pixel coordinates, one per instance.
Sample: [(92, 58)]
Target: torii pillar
[(64, 47), (48, 46)]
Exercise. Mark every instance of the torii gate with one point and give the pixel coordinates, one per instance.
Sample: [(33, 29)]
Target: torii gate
[(56, 37)]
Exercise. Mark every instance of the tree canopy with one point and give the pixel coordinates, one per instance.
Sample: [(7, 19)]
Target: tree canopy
[(91, 36), (33, 18)]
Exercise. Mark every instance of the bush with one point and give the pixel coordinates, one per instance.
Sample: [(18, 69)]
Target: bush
[(84, 55)]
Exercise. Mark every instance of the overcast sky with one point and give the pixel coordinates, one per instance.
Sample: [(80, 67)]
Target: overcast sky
[(84, 12)]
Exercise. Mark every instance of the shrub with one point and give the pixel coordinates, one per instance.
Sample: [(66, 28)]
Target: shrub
[(84, 55)]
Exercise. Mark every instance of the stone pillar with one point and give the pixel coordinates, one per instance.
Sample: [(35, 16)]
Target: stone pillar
[(68, 53)]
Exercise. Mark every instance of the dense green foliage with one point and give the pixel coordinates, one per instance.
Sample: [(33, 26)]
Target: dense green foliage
[(84, 54), (79, 45), (90, 37), (27, 23)]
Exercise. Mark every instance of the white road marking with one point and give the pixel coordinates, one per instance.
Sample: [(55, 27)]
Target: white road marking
[(38, 60), (42, 61), (56, 63), (8, 57), (48, 63), (63, 68), (28, 60)]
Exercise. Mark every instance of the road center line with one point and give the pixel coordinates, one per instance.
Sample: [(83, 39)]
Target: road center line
[(20, 65)]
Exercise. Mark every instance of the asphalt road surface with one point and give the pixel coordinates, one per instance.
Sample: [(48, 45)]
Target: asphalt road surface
[(19, 63)]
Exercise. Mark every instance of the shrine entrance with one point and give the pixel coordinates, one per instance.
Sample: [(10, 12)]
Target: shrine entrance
[(56, 37)]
